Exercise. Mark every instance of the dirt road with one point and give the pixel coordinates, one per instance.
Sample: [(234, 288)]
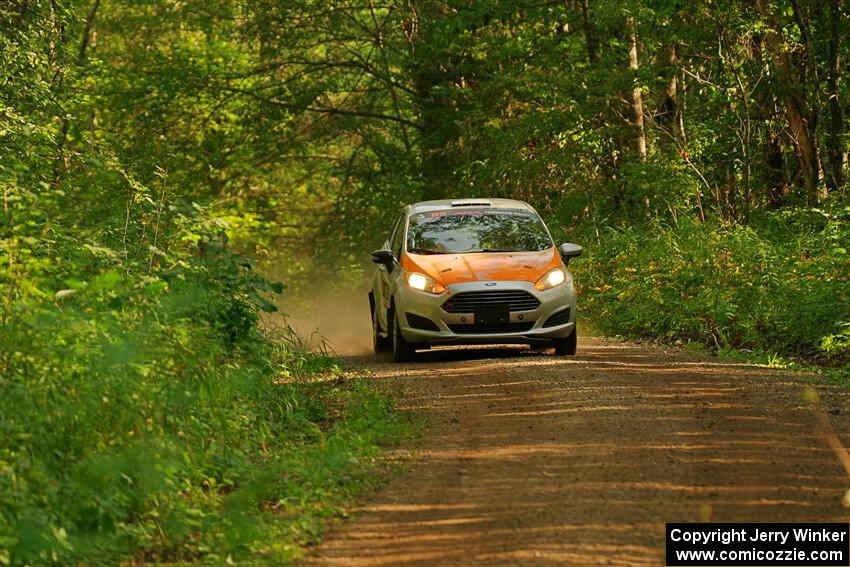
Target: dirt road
[(532, 459)]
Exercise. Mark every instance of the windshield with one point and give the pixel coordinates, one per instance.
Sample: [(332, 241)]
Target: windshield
[(489, 230)]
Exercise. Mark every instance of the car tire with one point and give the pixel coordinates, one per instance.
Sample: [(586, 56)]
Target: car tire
[(403, 351), (379, 344), (567, 345)]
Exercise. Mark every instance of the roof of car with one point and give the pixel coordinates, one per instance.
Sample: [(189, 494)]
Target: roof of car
[(479, 202)]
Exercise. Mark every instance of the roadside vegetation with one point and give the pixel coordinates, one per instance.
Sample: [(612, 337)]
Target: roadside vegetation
[(147, 414), (164, 164), (776, 286), (186, 458), (146, 417)]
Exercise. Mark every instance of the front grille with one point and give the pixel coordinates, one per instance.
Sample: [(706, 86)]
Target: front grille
[(467, 301), (484, 329), (419, 322), (559, 318)]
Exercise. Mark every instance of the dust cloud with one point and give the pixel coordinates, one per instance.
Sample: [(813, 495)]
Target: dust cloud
[(337, 321)]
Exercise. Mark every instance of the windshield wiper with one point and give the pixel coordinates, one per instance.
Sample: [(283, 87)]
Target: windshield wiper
[(475, 251)]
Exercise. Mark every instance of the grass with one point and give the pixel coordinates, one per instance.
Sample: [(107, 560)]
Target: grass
[(257, 495), (284, 505), (148, 418), (835, 374), (777, 288)]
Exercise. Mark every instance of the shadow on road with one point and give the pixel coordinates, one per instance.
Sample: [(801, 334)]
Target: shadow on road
[(454, 354), (538, 459)]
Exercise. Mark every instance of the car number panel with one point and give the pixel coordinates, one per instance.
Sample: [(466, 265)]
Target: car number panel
[(492, 315)]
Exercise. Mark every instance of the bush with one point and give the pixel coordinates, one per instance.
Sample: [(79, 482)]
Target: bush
[(144, 415), (781, 284)]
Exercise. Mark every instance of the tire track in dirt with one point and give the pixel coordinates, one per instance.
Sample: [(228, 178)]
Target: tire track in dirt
[(535, 459)]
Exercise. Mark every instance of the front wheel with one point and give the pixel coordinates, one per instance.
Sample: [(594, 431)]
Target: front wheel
[(403, 351), (567, 345), (379, 344)]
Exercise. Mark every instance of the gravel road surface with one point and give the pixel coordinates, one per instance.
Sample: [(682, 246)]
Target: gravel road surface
[(533, 459)]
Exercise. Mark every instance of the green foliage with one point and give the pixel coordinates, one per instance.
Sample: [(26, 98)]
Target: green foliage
[(779, 285), (157, 158), (144, 416), (159, 467)]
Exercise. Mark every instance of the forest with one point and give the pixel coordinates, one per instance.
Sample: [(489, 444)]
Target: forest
[(175, 172)]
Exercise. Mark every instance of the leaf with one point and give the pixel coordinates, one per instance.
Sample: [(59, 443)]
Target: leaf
[(107, 280), (155, 287)]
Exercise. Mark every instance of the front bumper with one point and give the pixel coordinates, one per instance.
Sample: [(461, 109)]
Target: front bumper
[(526, 326)]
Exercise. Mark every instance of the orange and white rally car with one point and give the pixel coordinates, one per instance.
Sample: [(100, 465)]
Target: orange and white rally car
[(473, 271)]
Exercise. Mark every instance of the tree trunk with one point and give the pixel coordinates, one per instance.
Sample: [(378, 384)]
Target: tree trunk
[(60, 165), (797, 111), (668, 111), (834, 151), (589, 34), (775, 178), (637, 98), (432, 67)]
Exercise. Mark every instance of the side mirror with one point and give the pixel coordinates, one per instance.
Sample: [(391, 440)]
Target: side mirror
[(384, 257), (570, 251)]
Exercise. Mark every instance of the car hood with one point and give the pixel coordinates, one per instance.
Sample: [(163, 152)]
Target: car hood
[(450, 269)]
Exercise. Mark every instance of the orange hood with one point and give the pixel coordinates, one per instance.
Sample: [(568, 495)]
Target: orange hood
[(450, 269)]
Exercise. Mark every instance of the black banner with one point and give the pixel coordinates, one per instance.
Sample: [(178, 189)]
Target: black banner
[(758, 544)]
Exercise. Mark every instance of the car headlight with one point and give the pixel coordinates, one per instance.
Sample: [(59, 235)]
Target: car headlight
[(424, 283), (551, 278)]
